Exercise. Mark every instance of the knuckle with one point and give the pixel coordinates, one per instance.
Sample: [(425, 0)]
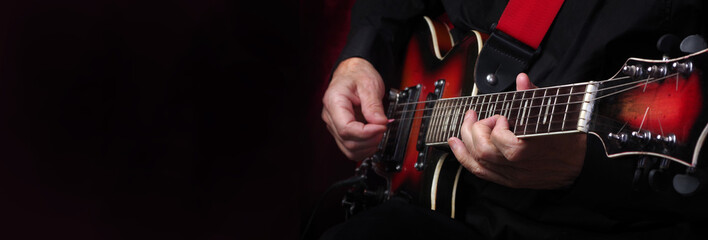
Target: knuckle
[(486, 151), (512, 155), (344, 132), (324, 116), (350, 145), (479, 172)]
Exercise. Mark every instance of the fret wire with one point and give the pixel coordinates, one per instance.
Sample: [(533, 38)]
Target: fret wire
[(479, 107), (433, 120), (448, 120), (441, 126), (533, 94), (454, 126), (485, 105), (540, 109), (462, 116), (499, 105), (494, 105), (572, 103), (509, 118), (548, 105), (505, 104), (440, 119), (518, 111), (511, 104), (553, 130), (580, 93), (485, 111), (566, 108), (584, 83), (453, 121), (469, 101), (425, 108), (453, 116), (554, 109)]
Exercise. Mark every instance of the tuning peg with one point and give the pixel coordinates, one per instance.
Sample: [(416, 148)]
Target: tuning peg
[(669, 45), (693, 44)]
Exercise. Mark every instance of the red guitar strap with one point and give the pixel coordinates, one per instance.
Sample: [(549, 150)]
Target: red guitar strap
[(528, 20), (514, 42)]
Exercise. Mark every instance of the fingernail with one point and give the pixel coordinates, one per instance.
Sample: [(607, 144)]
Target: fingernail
[(468, 114), (452, 142)]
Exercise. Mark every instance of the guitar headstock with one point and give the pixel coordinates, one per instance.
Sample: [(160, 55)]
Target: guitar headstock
[(655, 108)]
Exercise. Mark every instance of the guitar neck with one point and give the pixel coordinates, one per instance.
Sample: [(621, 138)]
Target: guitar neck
[(535, 112)]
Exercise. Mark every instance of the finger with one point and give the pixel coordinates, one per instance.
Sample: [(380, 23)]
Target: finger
[(480, 131), (371, 96), (473, 165), (466, 129), (353, 149), (523, 82), (342, 116), (504, 140)]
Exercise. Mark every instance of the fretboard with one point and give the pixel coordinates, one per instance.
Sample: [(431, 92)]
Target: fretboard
[(541, 111)]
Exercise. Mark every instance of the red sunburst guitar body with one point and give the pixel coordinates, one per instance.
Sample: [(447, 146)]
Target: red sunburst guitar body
[(649, 108)]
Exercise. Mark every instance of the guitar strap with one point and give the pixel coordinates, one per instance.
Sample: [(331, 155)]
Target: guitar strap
[(513, 43)]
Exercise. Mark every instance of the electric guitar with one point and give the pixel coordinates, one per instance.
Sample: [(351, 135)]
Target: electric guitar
[(648, 108)]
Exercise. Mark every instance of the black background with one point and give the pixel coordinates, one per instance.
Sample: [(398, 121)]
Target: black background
[(166, 119)]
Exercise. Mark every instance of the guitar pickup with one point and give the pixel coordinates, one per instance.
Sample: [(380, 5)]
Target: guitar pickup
[(392, 149)]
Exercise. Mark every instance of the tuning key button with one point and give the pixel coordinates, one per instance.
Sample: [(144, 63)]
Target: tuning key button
[(693, 44)]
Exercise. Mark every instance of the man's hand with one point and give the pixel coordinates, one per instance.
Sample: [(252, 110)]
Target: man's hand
[(494, 153), (353, 108)]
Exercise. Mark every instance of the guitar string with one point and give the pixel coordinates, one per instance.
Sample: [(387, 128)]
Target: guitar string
[(511, 119), (511, 109), (641, 82), (446, 133), (529, 90)]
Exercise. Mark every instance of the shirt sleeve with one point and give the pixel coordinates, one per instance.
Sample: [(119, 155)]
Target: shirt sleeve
[(380, 30)]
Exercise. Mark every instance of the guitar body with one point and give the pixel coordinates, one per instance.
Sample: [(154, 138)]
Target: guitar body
[(651, 109), (442, 68)]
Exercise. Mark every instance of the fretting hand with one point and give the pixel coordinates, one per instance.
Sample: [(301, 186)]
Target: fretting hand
[(492, 152)]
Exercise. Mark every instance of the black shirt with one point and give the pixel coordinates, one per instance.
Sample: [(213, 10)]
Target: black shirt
[(589, 40)]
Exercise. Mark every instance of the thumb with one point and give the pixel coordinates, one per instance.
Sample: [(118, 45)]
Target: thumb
[(523, 82), (372, 105)]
